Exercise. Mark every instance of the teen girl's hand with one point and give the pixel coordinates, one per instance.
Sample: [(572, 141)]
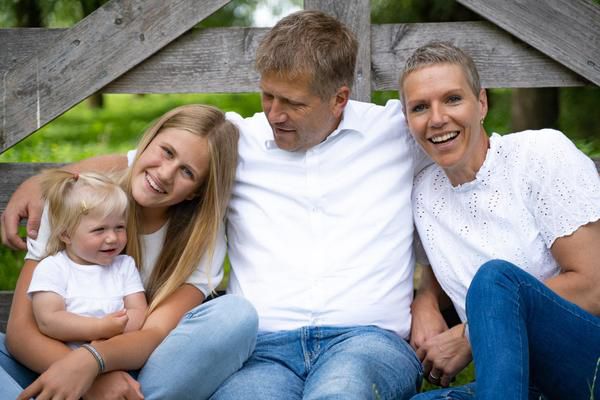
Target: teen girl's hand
[(67, 379), (114, 385)]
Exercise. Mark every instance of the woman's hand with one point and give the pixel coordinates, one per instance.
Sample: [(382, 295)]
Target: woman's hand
[(114, 385), (67, 379), (445, 355)]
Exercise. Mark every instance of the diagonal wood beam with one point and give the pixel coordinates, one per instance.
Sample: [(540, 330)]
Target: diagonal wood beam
[(567, 31), (96, 51)]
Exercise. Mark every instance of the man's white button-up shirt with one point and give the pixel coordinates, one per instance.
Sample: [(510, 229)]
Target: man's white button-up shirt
[(324, 237)]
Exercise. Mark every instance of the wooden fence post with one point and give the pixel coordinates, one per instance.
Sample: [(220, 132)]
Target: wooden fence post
[(356, 14)]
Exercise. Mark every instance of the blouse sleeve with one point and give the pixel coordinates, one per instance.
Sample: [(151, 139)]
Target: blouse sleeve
[(565, 186), (209, 272)]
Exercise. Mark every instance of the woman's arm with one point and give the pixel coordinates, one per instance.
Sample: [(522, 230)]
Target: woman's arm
[(23, 338), (54, 321), (26, 201), (136, 307), (132, 349), (579, 258)]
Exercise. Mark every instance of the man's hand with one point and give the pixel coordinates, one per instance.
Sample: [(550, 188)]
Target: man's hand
[(25, 203), (427, 321), (445, 355)]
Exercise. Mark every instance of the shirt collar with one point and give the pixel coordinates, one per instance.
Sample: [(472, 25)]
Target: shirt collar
[(350, 122)]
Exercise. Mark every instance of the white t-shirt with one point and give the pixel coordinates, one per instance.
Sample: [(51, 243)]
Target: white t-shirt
[(533, 187), (88, 290), (324, 236)]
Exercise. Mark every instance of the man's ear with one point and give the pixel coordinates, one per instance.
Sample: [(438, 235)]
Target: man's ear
[(340, 100)]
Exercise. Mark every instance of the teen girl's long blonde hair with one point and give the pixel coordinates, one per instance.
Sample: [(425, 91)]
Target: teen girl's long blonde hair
[(70, 196), (193, 224)]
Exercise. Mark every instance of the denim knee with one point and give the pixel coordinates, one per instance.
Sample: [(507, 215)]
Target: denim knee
[(235, 316), (487, 277)]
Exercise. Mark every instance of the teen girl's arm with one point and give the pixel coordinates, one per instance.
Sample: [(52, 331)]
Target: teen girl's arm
[(23, 338), (71, 376), (579, 258), (54, 321), (26, 202)]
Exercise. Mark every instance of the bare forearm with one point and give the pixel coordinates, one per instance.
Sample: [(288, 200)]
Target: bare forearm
[(69, 327), (577, 288), (105, 163), (430, 290)]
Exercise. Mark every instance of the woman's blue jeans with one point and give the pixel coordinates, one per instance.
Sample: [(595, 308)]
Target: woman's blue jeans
[(524, 335), (211, 342), (361, 362)]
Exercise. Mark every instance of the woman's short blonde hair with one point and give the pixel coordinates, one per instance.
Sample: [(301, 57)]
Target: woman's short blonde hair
[(441, 53)]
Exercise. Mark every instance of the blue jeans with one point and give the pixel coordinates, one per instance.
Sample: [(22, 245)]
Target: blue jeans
[(326, 363), (527, 341), (465, 392), (211, 342)]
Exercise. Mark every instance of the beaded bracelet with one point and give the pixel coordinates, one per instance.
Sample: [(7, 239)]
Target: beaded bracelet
[(96, 355)]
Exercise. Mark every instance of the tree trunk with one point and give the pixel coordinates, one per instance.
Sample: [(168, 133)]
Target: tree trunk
[(28, 13), (534, 109)]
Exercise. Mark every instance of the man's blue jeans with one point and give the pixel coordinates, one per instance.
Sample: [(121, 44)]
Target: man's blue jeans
[(524, 335), (210, 343), (326, 363)]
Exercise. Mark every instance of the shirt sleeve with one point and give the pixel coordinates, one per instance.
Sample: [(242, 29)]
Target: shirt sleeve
[(565, 186), (49, 276), (36, 248), (209, 272), (131, 276)]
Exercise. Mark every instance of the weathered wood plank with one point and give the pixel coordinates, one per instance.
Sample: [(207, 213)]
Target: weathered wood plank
[(97, 50), (502, 60), (568, 31), (5, 302), (357, 15), (222, 59), (12, 174)]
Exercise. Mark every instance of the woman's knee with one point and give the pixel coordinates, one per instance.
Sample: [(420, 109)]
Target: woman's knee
[(236, 314), (487, 279)]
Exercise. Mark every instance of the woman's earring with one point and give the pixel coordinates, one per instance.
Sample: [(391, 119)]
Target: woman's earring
[(481, 121)]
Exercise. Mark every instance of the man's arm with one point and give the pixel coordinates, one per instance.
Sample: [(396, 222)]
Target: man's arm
[(26, 202), (427, 319)]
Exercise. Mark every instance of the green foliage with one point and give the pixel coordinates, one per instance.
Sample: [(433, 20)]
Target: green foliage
[(467, 375), (83, 132)]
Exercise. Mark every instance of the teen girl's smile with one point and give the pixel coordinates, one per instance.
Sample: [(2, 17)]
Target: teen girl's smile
[(170, 170)]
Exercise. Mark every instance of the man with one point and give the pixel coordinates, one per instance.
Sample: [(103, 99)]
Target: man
[(320, 226)]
